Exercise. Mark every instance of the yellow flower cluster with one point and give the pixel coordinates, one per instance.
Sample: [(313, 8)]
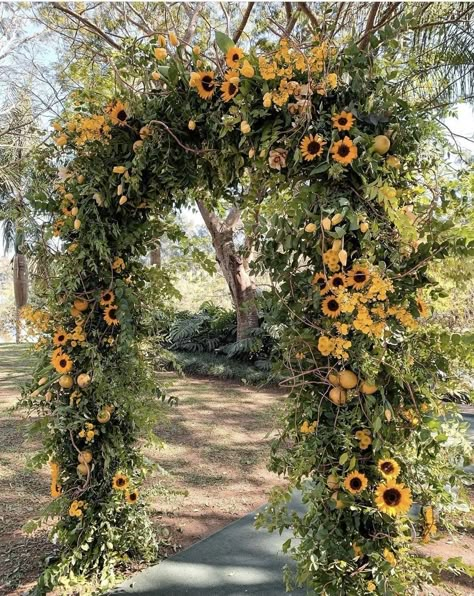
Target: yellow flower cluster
[(55, 486), (334, 346), (88, 432), (85, 129), (307, 428), (403, 316), (364, 438), (36, 319), (430, 526), (76, 508)]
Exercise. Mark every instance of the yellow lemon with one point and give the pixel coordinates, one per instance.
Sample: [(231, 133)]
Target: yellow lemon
[(81, 305), (332, 482), (337, 219), (66, 381), (84, 380), (333, 379), (364, 226), (326, 223), (393, 162), (191, 125), (381, 144), (338, 396), (367, 388), (82, 469), (103, 416), (348, 379), (85, 457), (310, 228), (77, 224)]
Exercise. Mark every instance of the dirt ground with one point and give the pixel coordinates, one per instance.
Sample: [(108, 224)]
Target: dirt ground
[(211, 472)]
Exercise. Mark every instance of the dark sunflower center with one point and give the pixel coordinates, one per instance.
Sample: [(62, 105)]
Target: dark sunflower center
[(337, 282), (235, 57), (106, 297), (387, 467), (360, 278), (207, 83), (113, 313), (122, 115), (356, 484), (342, 121), (61, 338), (133, 496), (62, 362), (343, 151), (321, 282), (313, 147), (333, 305), (120, 482), (232, 89), (392, 497)]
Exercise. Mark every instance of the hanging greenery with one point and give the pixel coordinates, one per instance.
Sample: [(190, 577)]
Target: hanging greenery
[(340, 176)]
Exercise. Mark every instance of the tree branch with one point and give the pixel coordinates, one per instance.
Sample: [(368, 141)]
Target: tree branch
[(88, 24), (364, 42), (309, 13), (243, 22)]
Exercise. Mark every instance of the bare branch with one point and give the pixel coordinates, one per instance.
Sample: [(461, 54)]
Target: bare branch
[(364, 42), (243, 22)]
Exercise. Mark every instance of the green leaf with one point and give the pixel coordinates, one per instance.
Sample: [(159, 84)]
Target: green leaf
[(344, 457), (224, 42)]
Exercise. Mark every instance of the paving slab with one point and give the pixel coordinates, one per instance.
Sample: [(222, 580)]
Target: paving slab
[(235, 561)]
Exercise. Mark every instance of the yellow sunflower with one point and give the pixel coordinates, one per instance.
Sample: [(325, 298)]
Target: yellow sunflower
[(337, 281), (312, 146), (230, 86), (358, 277), (343, 121), (131, 496), (392, 498), (120, 481), (60, 337), (233, 57), (389, 468), (355, 482), (110, 315), (107, 298), (61, 362), (118, 113), (320, 280), (344, 152), (205, 84), (331, 307)]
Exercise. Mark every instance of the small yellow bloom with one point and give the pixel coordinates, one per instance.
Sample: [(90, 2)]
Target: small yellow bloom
[(123, 200), (245, 127), (247, 69), (155, 75), (196, 50), (173, 38), (191, 125), (119, 169), (371, 587), (160, 53)]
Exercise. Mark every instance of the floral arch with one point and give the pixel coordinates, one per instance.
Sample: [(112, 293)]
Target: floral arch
[(337, 171)]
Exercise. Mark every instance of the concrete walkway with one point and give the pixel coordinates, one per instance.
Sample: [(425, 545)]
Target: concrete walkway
[(236, 561)]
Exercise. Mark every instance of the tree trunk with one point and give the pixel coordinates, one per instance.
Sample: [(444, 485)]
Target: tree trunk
[(20, 288), (234, 268), (155, 257)]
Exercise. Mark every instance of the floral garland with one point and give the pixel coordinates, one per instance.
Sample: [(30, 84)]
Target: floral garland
[(340, 231)]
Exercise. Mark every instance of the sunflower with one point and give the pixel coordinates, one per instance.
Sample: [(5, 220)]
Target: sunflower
[(107, 298), (60, 337), (343, 121), (230, 86), (118, 113), (357, 277), (233, 57), (110, 315), (355, 482), (131, 497), (337, 281), (344, 152), (312, 146), (331, 307), (205, 84), (393, 498), (61, 362), (389, 468), (120, 481), (320, 280)]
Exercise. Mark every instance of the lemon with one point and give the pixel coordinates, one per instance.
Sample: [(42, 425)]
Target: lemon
[(367, 388), (66, 381), (333, 379), (83, 380), (85, 457), (338, 396), (332, 482), (381, 144), (348, 379), (103, 416), (82, 469)]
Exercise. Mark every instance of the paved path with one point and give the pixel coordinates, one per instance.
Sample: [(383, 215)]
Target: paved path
[(236, 561)]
